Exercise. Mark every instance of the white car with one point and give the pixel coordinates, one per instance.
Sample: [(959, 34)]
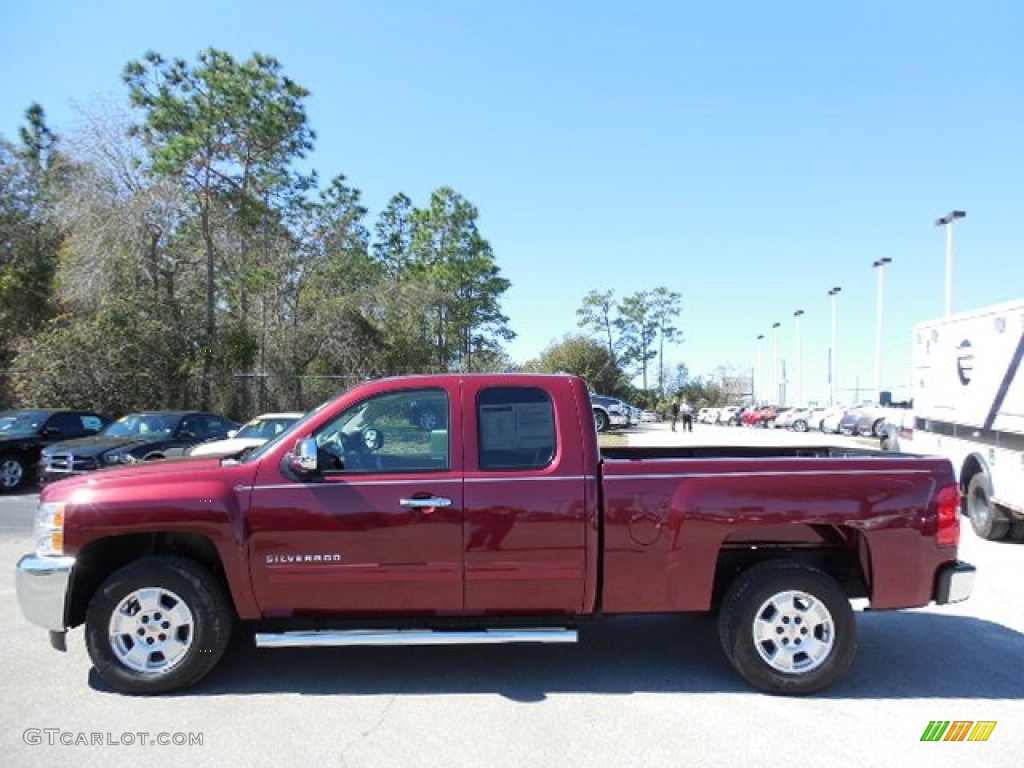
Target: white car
[(253, 433)]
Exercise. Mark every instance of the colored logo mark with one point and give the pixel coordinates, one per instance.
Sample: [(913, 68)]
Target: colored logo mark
[(959, 730)]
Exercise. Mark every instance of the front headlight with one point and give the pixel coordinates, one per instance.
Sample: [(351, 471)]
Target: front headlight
[(118, 457), (49, 530)]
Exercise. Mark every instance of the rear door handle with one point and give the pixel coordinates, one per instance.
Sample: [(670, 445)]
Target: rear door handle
[(424, 503)]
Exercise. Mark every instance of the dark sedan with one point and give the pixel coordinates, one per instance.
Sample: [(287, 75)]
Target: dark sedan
[(133, 438), (23, 434)]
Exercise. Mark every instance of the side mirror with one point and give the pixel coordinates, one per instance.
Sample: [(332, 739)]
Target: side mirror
[(302, 458)]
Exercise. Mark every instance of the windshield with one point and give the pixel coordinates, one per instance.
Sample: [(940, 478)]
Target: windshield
[(25, 423), (266, 428), (142, 424)]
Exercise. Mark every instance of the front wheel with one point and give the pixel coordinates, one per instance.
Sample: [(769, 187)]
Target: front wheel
[(601, 421), (157, 625), (788, 628), (985, 520), (12, 474)]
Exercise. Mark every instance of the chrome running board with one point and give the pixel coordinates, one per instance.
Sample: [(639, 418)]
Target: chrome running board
[(327, 637)]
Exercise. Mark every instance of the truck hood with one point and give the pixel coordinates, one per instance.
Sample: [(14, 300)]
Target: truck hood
[(95, 446)]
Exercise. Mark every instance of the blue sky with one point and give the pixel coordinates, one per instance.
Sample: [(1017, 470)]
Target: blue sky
[(749, 155)]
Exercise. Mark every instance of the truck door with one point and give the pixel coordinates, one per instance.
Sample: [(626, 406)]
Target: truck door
[(525, 523), (379, 530)]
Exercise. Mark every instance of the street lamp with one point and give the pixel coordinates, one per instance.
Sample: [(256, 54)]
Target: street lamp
[(833, 353), (799, 360), (775, 373), (947, 222), (879, 264), (759, 385)]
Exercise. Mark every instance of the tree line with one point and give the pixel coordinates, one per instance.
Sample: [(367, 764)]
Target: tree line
[(177, 255), (174, 252)]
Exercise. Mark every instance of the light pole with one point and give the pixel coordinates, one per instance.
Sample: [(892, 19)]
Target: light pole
[(947, 222), (759, 385), (775, 372), (833, 352), (799, 360), (879, 264)]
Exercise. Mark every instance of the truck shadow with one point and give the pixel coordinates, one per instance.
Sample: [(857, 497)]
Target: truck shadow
[(901, 655)]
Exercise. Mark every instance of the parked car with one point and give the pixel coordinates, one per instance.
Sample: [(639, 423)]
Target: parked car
[(815, 417), (759, 417), (23, 435), (726, 414), (851, 418), (830, 422), (870, 422), (136, 437), (253, 433), (609, 412), (799, 419), (783, 414)]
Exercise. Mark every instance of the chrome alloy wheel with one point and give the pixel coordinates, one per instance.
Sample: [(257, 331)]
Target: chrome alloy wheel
[(11, 473), (151, 630), (793, 632)]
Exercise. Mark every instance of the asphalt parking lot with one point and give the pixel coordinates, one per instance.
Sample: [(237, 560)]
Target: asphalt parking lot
[(652, 691)]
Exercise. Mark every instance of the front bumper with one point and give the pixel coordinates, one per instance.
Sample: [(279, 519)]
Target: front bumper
[(43, 585), (954, 582)]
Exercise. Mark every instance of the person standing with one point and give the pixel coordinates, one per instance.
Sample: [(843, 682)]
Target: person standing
[(687, 413), (674, 410)]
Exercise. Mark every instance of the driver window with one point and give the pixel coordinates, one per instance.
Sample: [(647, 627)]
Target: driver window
[(388, 433)]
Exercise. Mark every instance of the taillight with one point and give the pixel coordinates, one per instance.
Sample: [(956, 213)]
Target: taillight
[(947, 506)]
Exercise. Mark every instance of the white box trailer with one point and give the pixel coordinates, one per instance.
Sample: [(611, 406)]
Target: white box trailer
[(969, 406)]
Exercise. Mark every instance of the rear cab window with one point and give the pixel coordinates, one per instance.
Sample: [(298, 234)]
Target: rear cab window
[(516, 428)]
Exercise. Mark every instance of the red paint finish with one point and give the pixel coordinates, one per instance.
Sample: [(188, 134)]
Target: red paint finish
[(516, 541), (699, 506)]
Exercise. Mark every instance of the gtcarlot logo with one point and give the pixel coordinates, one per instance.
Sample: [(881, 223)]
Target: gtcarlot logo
[(958, 730), (56, 736)]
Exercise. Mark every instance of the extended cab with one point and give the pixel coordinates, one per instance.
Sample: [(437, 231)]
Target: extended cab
[(359, 526)]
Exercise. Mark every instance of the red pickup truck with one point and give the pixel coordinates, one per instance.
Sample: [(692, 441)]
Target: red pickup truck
[(505, 524)]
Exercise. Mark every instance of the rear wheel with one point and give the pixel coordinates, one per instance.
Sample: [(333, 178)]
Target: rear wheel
[(788, 628), (601, 421), (157, 625), (985, 519)]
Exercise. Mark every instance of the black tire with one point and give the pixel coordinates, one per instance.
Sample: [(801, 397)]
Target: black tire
[(985, 520), (600, 420), (1017, 531), (800, 425), (877, 427), (186, 604), (13, 474), (791, 607)]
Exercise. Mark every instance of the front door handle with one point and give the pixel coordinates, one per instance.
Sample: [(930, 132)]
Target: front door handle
[(425, 503)]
